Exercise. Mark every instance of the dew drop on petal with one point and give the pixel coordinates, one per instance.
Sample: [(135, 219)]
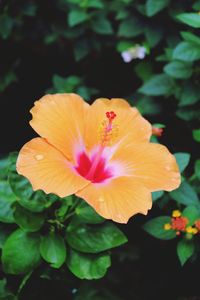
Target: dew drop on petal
[(39, 157), (101, 199), (167, 168)]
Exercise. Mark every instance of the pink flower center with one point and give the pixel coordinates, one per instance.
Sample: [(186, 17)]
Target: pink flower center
[(94, 168), (85, 164)]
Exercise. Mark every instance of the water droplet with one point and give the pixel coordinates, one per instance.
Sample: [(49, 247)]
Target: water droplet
[(81, 230), (167, 168), (39, 157), (101, 199)]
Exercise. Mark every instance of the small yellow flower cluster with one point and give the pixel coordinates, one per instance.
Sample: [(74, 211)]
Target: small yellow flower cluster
[(176, 213), (191, 229), (167, 226), (179, 224)]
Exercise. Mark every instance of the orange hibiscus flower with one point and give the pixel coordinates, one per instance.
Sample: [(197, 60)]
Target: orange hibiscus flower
[(100, 152)]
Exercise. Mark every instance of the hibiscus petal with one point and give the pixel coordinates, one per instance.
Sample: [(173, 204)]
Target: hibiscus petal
[(128, 122), (152, 164), (60, 118), (47, 169), (118, 199)]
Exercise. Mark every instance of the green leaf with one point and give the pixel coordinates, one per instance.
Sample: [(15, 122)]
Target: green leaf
[(88, 266), (81, 49), (153, 35), (178, 69), (90, 239), (187, 52), (4, 233), (185, 250), (183, 160), (157, 195), (144, 71), (29, 9), (197, 168), (95, 4), (86, 92), (4, 165), (130, 28), (196, 6), (192, 213), (76, 17), (122, 14), (27, 220), (102, 25), (124, 45), (191, 19), (63, 85), (6, 25), (196, 135), (5, 294), (65, 204), (158, 85), (20, 253), (185, 194), (190, 37), (189, 95), (159, 125), (188, 114), (7, 198), (148, 106), (154, 6), (87, 214), (53, 249), (8, 78), (155, 227), (21, 187)]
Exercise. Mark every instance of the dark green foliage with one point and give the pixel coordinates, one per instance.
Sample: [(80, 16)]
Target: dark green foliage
[(192, 213), (155, 227), (53, 249), (185, 194), (90, 239), (185, 250), (182, 160), (88, 266), (20, 253)]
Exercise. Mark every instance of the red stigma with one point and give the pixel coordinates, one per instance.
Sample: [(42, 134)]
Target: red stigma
[(110, 115)]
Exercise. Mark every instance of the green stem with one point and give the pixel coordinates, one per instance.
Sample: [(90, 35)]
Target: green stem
[(71, 211)]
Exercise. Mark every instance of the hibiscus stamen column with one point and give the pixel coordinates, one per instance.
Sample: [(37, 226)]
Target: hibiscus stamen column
[(106, 136)]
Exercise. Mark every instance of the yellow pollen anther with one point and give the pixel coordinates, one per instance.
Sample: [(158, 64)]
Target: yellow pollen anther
[(176, 213), (167, 226), (107, 132)]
